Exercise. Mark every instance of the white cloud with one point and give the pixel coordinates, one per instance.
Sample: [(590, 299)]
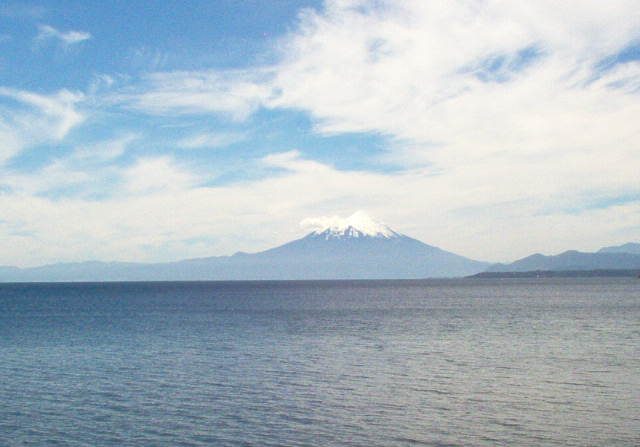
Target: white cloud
[(66, 38), (403, 69), (149, 175)]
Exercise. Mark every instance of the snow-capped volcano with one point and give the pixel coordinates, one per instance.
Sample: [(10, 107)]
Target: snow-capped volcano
[(356, 247), (358, 225)]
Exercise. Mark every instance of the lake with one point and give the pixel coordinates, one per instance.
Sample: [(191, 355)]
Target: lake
[(346, 363)]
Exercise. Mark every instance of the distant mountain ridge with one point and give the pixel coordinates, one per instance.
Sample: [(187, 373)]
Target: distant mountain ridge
[(352, 248), (613, 273), (630, 247), (608, 258)]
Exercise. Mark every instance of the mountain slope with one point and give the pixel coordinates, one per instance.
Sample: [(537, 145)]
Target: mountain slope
[(358, 248)]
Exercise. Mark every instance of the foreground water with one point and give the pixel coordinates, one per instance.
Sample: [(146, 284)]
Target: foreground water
[(466, 362)]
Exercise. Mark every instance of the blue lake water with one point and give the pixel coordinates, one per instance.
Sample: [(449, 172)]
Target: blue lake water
[(380, 363)]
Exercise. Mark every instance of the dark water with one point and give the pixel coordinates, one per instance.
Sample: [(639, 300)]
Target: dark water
[(482, 362)]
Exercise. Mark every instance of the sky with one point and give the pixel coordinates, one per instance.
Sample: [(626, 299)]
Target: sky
[(157, 131)]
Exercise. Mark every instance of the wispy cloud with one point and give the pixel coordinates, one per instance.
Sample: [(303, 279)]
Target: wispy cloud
[(105, 150), (148, 59), (89, 170), (66, 38), (210, 140), (236, 94), (60, 107), (32, 118)]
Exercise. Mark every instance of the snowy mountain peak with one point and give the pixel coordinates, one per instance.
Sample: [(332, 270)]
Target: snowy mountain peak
[(357, 225)]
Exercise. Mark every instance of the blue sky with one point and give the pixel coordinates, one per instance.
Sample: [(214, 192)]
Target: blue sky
[(159, 131)]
